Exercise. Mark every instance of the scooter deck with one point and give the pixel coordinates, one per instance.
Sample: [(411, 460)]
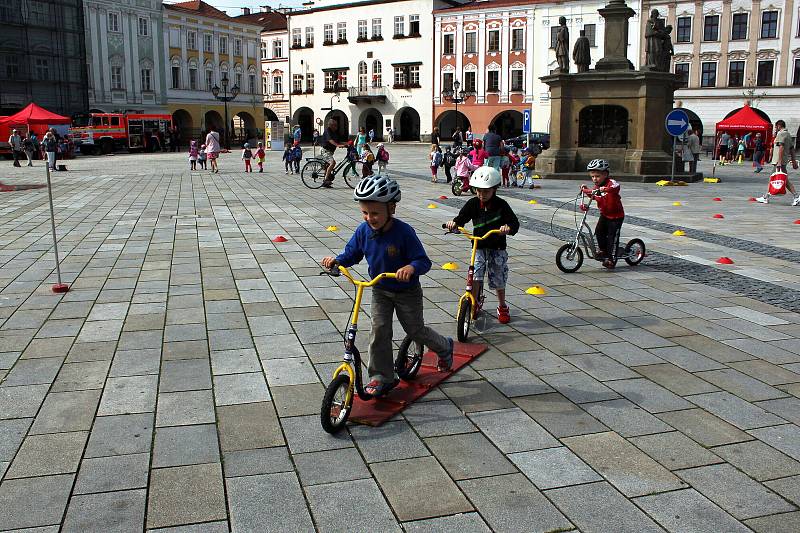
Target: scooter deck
[(376, 412)]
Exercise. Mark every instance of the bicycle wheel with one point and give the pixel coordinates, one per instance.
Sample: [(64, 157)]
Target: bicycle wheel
[(313, 174), (352, 174), (409, 359), (464, 319), (335, 408), (566, 263), (456, 187), (634, 252)]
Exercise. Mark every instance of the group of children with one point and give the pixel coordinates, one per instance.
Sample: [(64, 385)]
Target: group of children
[(198, 156), (465, 161), (391, 245), (368, 158), (292, 155)]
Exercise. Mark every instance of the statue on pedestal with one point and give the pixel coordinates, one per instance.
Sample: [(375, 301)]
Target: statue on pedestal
[(562, 46), (658, 44), (581, 53)]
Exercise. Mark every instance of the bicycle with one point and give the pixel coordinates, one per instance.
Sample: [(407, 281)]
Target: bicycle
[(470, 305), (313, 172), (337, 402), (569, 257)]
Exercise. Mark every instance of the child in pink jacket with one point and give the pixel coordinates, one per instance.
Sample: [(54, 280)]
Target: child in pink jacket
[(464, 168), (478, 154)]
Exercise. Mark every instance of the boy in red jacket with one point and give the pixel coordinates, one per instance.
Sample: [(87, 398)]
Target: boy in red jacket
[(609, 202)]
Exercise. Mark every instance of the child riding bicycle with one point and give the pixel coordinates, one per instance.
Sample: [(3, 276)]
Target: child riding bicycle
[(487, 212), (390, 245), (607, 193)]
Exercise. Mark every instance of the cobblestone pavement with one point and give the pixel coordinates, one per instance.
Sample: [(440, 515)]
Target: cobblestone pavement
[(176, 387)]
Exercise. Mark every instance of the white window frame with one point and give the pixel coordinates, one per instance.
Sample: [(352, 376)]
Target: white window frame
[(117, 80), (297, 83), (377, 73), (175, 80), (341, 31), (191, 40), (474, 49), (251, 82), (223, 44), (277, 49), (144, 27), (521, 73), (192, 78), (263, 49), (377, 28), (309, 36), (490, 74), (208, 78), (521, 44), (310, 82), (400, 79), (327, 33), (277, 84), (400, 25), (113, 21), (297, 37), (208, 43), (363, 33), (413, 75), (237, 47), (411, 20), (489, 33)]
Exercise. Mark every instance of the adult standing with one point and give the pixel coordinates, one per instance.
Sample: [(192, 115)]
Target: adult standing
[(389, 134), (361, 140), (371, 135), (493, 144), (436, 137), (758, 153), (15, 142), (37, 146), (50, 144), (782, 154), (213, 148), (458, 138), (693, 145), (723, 147), (329, 146), (469, 137), (297, 134), (27, 147)]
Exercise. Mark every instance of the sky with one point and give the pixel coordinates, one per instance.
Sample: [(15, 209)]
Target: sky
[(233, 7)]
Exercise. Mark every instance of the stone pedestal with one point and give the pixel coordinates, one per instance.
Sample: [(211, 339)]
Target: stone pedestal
[(616, 15), (646, 96)]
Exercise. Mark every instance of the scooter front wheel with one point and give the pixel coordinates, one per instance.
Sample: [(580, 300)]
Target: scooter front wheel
[(566, 263), (634, 252), (464, 319), (456, 187), (409, 359), (335, 407)]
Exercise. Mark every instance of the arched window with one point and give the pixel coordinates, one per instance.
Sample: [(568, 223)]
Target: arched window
[(192, 75), (175, 71), (377, 74), (237, 77), (208, 79), (223, 70), (363, 82), (603, 125)]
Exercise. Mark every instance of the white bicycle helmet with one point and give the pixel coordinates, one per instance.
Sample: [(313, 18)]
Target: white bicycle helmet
[(377, 188), (598, 164), (485, 178)]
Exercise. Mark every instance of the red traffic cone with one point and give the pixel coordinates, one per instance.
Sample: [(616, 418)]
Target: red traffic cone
[(717, 199), (60, 287), (797, 221), (725, 261), (443, 197), (718, 215), (280, 238), (751, 199)]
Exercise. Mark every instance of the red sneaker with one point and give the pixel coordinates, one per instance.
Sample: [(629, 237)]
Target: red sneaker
[(502, 315)]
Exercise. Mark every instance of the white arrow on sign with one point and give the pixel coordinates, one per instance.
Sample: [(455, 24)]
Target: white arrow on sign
[(680, 123)]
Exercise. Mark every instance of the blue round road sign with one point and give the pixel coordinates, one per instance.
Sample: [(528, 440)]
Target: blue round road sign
[(677, 122)]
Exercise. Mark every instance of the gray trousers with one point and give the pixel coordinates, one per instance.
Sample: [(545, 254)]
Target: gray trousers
[(408, 306)]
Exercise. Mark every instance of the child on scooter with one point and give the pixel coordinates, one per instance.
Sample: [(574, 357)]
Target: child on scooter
[(464, 168), (609, 202), (390, 245), (488, 212)]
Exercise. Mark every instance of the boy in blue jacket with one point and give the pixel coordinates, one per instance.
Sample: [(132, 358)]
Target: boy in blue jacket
[(390, 245), (287, 158), (297, 156)]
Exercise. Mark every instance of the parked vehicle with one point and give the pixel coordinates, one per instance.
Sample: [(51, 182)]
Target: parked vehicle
[(536, 137), (107, 132)]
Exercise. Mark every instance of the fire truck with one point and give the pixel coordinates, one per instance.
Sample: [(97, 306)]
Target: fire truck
[(106, 132)]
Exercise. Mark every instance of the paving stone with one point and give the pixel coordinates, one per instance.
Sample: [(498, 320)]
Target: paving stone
[(67, 411), (598, 507), (474, 396), (627, 468), (185, 445), (122, 434), (649, 396), (120, 511), (786, 408), (527, 434), (419, 488), (766, 372), (686, 359), (43, 455), (785, 438), (11, 434), (185, 408), (580, 387), (279, 346), (440, 417), (303, 435), (688, 510), (641, 338), (120, 472), (296, 400), (91, 351), (562, 344), (49, 347), (626, 418), (33, 372), (184, 375), (388, 442), (136, 362), (468, 456), (291, 371), (542, 362), (676, 379), (778, 523), (81, 376), (703, 427), (258, 461), (22, 401), (735, 492), (716, 350), (553, 467), (248, 426), (559, 416), (240, 388), (758, 460), (235, 362), (738, 412), (788, 487), (460, 523), (741, 385), (185, 350), (764, 350), (339, 465), (674, 450), (270, 502), (515, 381), (628, 354), (127, 395), (32, 502), (185, 494)]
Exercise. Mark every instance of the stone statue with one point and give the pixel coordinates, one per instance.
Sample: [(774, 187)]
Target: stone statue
[(562, 46), (654, 41), (581, 53), (667, 51)]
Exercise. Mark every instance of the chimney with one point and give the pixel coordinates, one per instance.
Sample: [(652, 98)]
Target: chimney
[(266, 9), (245, 11)]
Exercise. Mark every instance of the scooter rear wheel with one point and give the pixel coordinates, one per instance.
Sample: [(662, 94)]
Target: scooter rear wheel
[(409, 359), (563, 261), (335, 410), (634, 252), (464, 319)]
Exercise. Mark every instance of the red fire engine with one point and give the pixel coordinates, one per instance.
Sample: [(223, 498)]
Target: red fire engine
[(106, 132)]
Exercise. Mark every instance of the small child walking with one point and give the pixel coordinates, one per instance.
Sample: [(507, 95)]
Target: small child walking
[(193, 152), (464, 168), (383, 158), (436, 160), (368, 158), (297, 156), (287, 158), (260, 156), (247, 155), (202, 157)]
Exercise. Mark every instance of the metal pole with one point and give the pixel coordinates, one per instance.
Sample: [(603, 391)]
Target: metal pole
[(672, 177), (60, 287), (225, 100)]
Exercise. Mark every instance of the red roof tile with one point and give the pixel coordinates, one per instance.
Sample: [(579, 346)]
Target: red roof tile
[(200, 8)]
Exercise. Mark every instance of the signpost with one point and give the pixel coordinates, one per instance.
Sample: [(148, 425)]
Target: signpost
[(676, 123), (526, 125)]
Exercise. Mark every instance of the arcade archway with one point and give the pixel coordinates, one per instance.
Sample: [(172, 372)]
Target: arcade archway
[(508, 124), (406, 125), (213, 119), (182, 120), (304, 117), (270, 115), (244, 127), (449, 120), (342, 124), (371, 119)]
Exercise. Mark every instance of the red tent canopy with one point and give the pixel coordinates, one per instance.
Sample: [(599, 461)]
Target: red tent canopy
[(744, 120), (34, 114)]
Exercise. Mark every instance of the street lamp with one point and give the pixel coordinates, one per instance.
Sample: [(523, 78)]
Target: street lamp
[(225, 99), (456, 96)]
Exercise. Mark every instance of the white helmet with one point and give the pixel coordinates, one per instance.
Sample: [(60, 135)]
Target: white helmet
[(485, 178), (377, 188), (598, 164)]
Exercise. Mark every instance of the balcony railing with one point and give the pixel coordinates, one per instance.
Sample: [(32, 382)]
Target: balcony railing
[(370, 94)]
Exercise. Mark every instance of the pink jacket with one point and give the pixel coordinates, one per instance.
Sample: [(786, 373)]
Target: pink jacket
[(479, 156), (464, 166)]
